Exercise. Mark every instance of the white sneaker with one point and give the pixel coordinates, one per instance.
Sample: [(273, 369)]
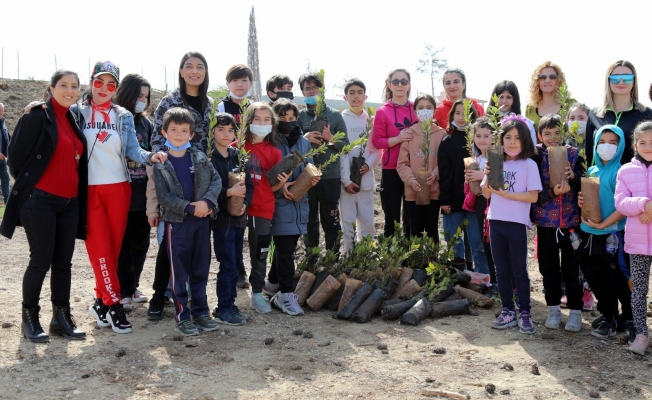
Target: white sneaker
[(139, 297), (127, 303), (270, 289), (259, 304), (287, 302)]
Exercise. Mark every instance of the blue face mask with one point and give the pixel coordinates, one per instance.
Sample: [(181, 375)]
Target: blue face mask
[(173, 147), (311, 101)]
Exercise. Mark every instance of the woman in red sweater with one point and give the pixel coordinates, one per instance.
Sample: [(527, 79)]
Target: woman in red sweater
[(47, 158), (454, 82)]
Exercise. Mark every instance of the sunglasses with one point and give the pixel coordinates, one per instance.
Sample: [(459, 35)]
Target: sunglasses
[(403, 82), (626, 78), (553, 77), (111, 87)]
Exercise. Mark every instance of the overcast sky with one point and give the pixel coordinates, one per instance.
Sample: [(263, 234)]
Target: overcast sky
[(489, 40)]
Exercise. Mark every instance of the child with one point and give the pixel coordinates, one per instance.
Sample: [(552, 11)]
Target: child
[(482, 138), (279, 86), (509, 102), (632, 199), (410, 159), (260, 142), (509, 220), (355, 200), (556, 215), (239, 79), (228, 230), (290, 218), (187, 187), (608, 284), (578, 112), (451, 154)]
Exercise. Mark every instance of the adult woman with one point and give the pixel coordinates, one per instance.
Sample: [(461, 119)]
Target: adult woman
[(509, 101), (620, 107), (545, 81), (48, 160), (454, 81), (390, 130), (134, 95), (111, 136), (191, 94)]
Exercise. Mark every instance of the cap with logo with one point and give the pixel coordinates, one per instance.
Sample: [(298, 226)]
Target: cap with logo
[(106, 67)]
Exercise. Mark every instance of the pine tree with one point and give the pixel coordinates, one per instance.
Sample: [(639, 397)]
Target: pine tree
[(252, 57)]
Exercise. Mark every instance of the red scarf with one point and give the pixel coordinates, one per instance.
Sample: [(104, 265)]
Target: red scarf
[(102, 109)]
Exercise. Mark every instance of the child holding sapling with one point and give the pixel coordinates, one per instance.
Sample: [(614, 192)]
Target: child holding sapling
[(356, 200), (557, 218), (578, 112), (509, 220), (228, 229), (451, 154), (508, 101), (601, 254), (420, 154)]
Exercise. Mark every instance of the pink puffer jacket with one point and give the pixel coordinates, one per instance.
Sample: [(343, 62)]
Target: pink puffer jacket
[(633, 190)]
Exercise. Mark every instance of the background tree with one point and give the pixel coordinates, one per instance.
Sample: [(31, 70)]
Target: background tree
[(431, 65)]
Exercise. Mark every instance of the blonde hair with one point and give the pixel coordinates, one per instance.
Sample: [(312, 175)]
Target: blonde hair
[(535, 92), (608, 95)]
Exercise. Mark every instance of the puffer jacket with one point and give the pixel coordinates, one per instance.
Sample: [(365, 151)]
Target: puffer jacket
[(633, 190)]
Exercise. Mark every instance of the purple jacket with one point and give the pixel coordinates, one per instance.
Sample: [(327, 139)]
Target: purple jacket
[(633, 190)]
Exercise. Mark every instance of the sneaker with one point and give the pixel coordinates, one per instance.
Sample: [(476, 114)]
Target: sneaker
[(574, 323), (605, 330), (229, 317), (127, 303), (186, 328), (167, 301), (259, 304), (243, 283), (240, 313), (554, 318), (99, 311), (505, 319), (155, 310), (118, 320), (525, 323), (564, 302), (631, 332), (205, 323), (639, 345), (270, 289), (588, 300), (596, 322), (139, 297), (287, 302)]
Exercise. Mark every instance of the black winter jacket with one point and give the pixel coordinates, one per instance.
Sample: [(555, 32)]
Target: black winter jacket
[(224, 165), (451, 155)]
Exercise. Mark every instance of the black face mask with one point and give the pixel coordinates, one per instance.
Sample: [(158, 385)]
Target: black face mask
[(286, 127), (284, 95)]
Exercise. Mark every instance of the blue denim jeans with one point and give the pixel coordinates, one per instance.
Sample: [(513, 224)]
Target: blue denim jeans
[(228, 246), (453, 221), (4, 180)]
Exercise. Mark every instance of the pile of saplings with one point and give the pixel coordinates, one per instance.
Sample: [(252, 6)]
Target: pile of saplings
[(396, 277)]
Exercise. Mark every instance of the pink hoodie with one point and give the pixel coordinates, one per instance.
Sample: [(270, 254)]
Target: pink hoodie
[(390, 120), (633, 190)]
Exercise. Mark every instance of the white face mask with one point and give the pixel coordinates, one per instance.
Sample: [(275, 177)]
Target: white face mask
[(606, 151), (260, 130), (425, 114), (140, 107), (581, 126), (233, 95)]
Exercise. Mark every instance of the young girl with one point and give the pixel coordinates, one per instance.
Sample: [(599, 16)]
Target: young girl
[(482, 138), (454, 82), (578, 112), (261, 140), (509, 221), (451, 154), (509, 102), (410, 159), (633, 194), (608, 284)]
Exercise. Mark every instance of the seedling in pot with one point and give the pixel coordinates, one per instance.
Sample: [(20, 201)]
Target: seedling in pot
[(423, 173), (470, 163), (495, 155), (359, 161)]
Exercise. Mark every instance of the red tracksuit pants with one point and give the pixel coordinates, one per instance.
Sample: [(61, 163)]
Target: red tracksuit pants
[(108, 207)]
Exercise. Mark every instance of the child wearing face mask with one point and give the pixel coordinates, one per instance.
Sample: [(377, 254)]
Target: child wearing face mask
[(578, 112), (260, 142), (279, 87), (606, 268), (410, 159), (239, 79)]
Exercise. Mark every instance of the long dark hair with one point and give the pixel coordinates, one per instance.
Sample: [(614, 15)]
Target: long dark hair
[(203, 88), (54, 79), (451, 114), (510, 87), (129, 92), (527, 146), (458, 72)]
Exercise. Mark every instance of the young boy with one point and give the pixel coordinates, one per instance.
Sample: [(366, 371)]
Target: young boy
[(556, 214), (187, 187), (228, 230), (279, 86), (324, 197), (355, 200)]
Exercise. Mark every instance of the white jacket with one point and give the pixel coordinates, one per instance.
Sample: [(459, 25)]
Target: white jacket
[(355, 126)]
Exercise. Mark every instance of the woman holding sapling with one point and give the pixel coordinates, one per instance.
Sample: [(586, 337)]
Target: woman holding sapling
[(454, 81), (420, 154), (509, 221), (546, 79), (509, 102), (620, 107), (450, 161)]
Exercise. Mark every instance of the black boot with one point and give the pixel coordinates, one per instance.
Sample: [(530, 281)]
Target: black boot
[(62, 324), (31, 327)]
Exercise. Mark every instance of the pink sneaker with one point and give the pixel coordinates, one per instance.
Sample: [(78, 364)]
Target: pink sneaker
[(639, 345), (564, 301), (588, 300)]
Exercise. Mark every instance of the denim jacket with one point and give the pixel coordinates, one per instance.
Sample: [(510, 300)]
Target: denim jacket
[(126, 127), (170, 194)]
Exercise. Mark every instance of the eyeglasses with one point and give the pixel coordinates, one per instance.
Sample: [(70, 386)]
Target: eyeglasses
[(403, 82), (553, 77), (312, 89), (626, 78), (99, 84)]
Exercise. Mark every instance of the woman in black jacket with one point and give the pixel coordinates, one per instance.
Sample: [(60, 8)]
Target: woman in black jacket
[(47, 158)]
